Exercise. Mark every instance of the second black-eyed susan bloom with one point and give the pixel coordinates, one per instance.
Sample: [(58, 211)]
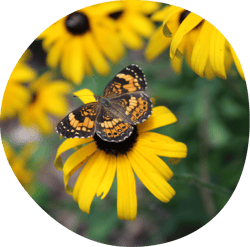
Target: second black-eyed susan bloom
[(132, 21), (207, 51), (47, 97), (16, 96), (83, 40), (138, 154)]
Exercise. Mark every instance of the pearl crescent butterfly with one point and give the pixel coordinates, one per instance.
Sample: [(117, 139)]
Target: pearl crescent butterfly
[(113, 116)]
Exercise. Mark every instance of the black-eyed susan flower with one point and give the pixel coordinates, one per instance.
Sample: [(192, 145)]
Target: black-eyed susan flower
[(206, 50), (17, 96), (82, 40), (138, 154), (47, 97), (18, 162), (131, 17)]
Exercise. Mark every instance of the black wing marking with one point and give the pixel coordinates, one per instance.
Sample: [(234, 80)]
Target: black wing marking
[(131, 79), (112, 128), (136, 106), (80, 122)]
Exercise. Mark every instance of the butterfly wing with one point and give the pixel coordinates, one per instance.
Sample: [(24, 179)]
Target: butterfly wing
[(136, 106), (112, 128), (80, 122), (129, 80)]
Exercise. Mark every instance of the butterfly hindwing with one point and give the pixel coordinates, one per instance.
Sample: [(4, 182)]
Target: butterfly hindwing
[(112, 128), (131, 79), (137, 106), (79, 123)]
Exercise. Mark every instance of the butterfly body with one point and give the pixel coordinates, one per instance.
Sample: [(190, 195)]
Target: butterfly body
[(112, 117)]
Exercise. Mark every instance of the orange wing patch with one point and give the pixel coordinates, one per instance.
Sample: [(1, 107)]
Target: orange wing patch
[(137, 110), (115, 127), (133, 84), (87, 125)]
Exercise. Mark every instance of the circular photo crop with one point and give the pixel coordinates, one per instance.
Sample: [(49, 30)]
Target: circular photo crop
[(128, 122)]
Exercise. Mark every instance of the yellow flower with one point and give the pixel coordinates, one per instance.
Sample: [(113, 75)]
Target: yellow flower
[(138, 153), (48, 97), (18, 163), (82, 40), (132, 21), (207, 51), (16, 95)]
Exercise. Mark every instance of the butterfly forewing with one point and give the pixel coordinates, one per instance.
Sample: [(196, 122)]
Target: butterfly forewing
[(80, 123), (136, 106), (129, 80)]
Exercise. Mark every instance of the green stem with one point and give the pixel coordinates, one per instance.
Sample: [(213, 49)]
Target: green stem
[(195, 180)]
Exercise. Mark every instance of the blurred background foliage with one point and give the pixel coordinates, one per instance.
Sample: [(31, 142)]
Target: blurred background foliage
[(213, 121)]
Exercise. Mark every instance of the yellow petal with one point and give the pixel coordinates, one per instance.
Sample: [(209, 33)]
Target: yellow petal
[(65, 59), (171, 11), (94, 173), (75, 161), (85, 95), (148, 7), (126, 190), (162, 145), (95, 55), (149, 176), (66, 145), (130, 38), (77, 61), (217, 52), (55, 52), (190, 22), (82, 176), (159, 15), (201, 50), (157, 162), (156, 45), (237, 62), (141, 24), (110, 43), (108, 178), (161, 116)]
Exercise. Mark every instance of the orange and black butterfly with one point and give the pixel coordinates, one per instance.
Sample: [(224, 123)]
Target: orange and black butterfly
[(124, 104)]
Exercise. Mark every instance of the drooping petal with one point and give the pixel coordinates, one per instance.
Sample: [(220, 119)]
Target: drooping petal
[(75, 161), (201, 50), (161, 116), (126, 190), (190, 22), (157, 162), (94, 173), (66, 145), (82, 175), (108, 178), (162, 145), (217, 52), (150, 177)]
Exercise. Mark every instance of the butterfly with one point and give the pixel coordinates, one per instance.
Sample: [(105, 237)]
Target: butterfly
[(113, 116)]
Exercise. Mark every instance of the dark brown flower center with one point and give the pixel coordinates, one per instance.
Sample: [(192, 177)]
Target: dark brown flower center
[(116, 15), (33, 97), (183, 16), (77, 23), (116, 148)]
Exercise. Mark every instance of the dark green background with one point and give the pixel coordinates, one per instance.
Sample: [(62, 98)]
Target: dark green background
[(22, 221)]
